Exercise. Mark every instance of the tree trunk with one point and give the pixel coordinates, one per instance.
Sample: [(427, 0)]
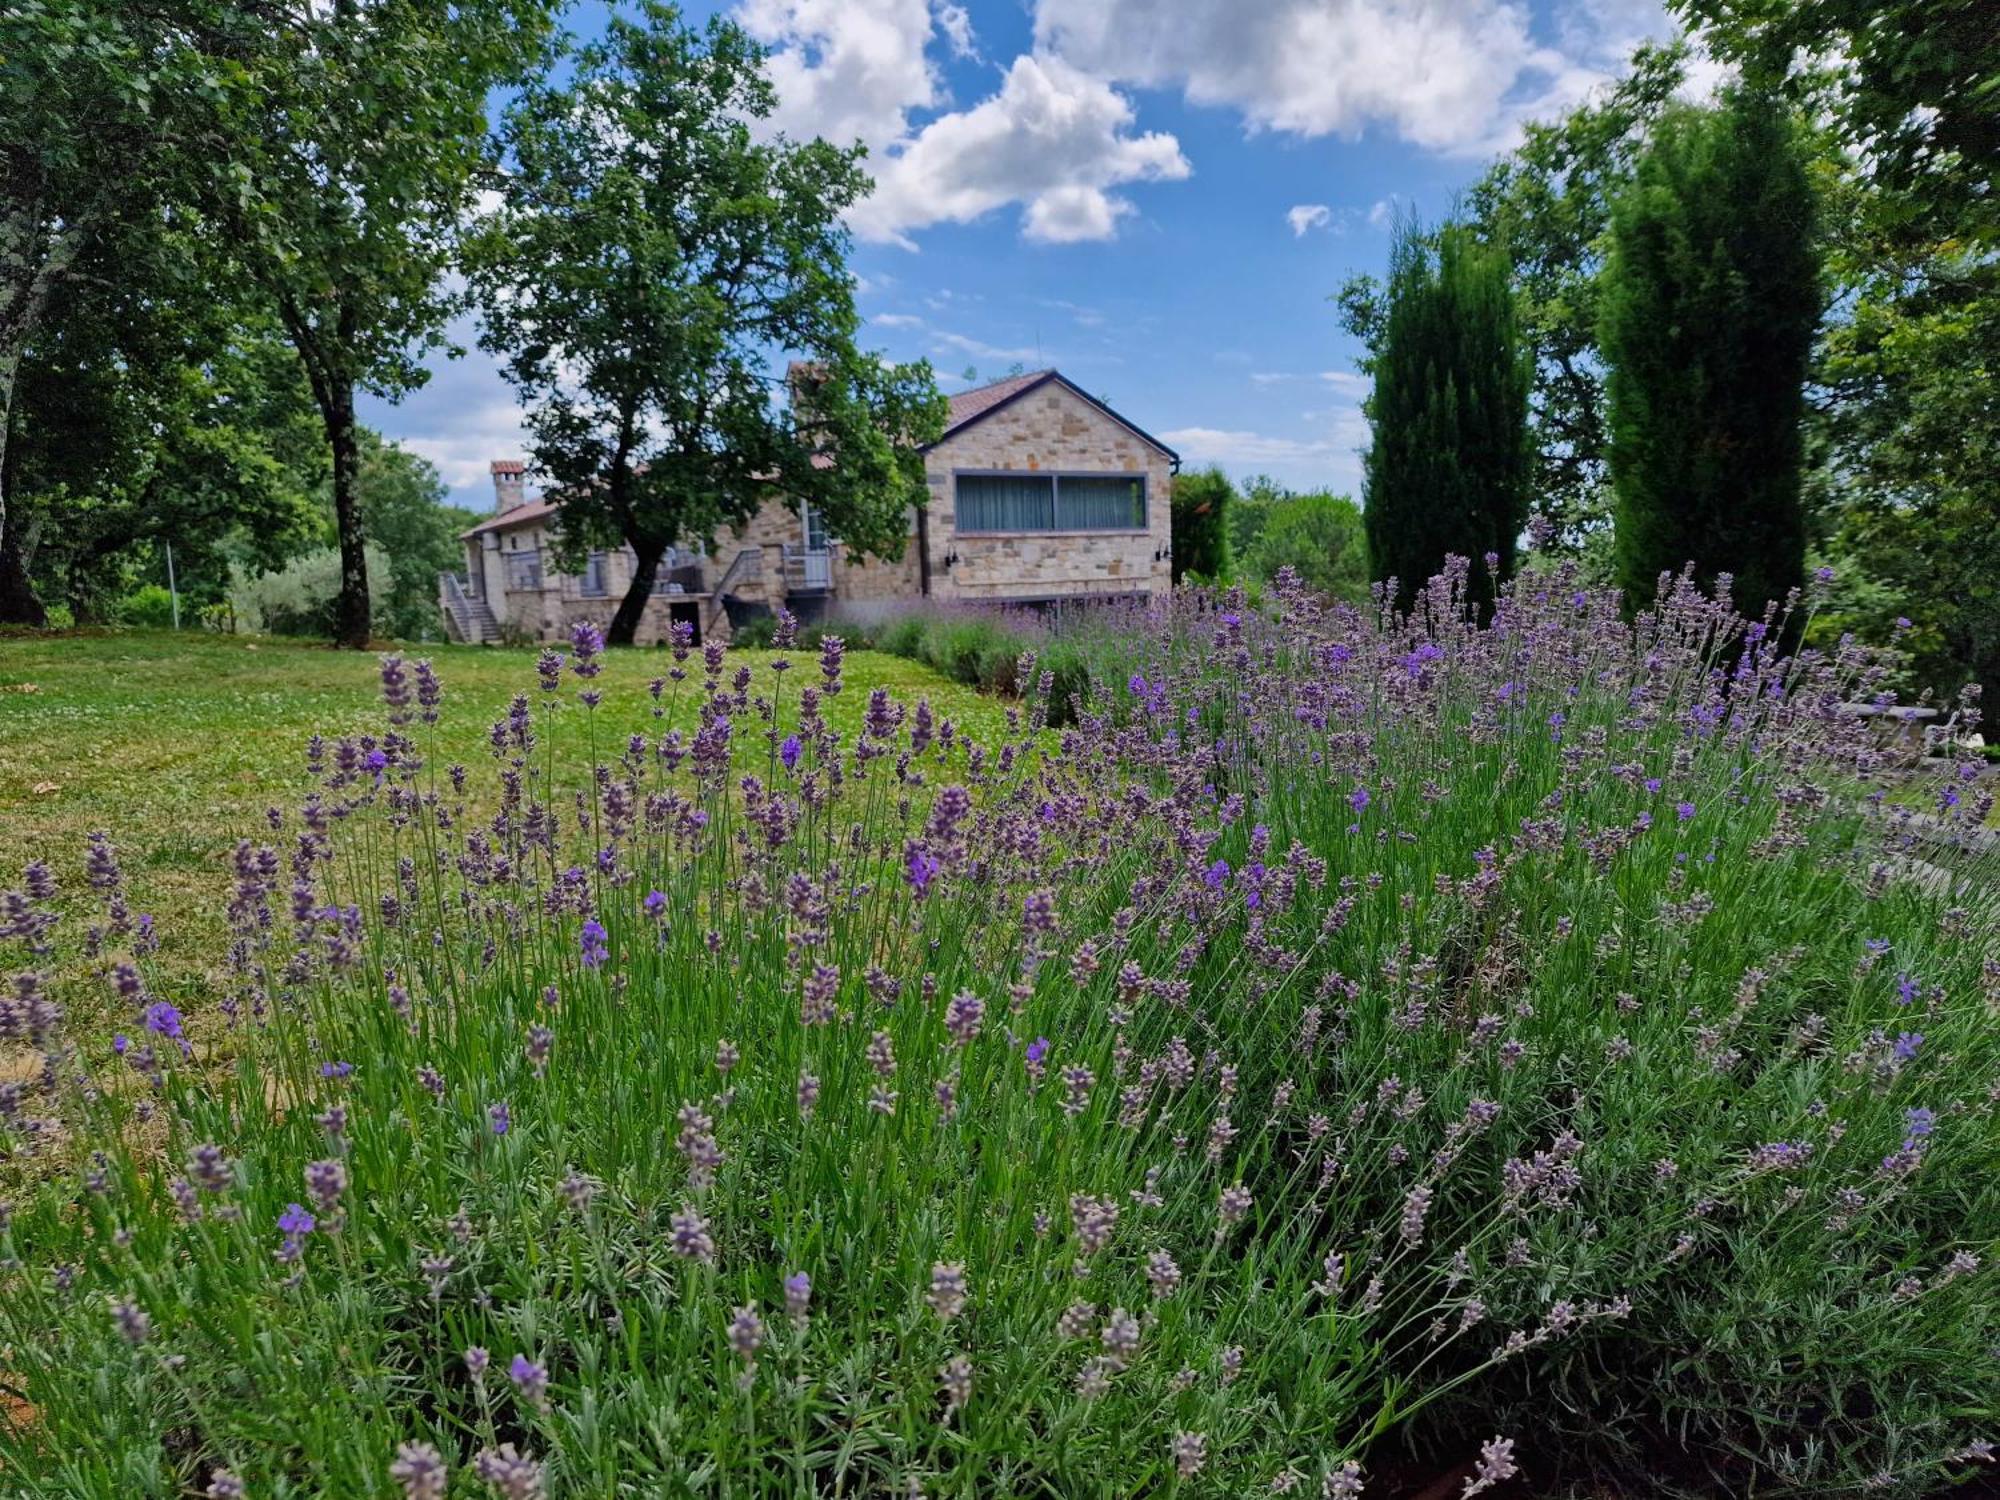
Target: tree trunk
[(19, 604), (10, 368), (352, 618), (632, 608)]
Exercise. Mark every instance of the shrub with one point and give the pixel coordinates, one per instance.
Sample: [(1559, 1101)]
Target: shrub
[(755, 633), (149, 606), (1349, 1032), (300, 598), (1202, 501)]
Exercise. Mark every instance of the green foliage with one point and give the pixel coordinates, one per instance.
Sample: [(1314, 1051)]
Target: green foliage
[(352, 140), (653, 252), (157, 407), (303, 597), (1320, 536), (95, 96), (1447, 471), (1203, 500), (148, 607), (402, 506), (1711, 297), (1549, 203), (1251, 510), (1916, 88)]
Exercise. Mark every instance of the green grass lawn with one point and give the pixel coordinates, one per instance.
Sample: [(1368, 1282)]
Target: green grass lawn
[(175, 744)]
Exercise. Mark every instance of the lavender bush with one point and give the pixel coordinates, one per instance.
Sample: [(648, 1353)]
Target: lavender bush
[(1547, 1043)]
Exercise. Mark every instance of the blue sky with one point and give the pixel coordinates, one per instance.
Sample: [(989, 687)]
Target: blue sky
[(1158, 197)]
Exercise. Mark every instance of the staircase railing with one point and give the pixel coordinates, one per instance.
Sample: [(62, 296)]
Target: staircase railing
[(747, 563), (456, 603)]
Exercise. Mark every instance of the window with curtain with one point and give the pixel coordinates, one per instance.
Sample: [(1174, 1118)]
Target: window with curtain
[(1100, 504), (1006, 502), (1051, 502)]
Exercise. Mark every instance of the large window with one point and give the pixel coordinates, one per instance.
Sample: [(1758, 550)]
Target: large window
[(1051, 502)]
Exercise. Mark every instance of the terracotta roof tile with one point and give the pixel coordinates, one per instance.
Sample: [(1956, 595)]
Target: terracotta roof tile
[(520, 515)]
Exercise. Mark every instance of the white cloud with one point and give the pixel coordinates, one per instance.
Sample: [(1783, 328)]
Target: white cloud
[(846, 69), (1053, 138), (1348, 383), (897, 320), (956, 25), (1085, 317), (1449, 75), (1306, 216), (1235, 446), (1382, 212), (1329, 456), (959, 343)]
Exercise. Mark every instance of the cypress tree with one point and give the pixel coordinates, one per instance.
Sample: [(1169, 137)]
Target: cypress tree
[(1447, 470), (1710, 300)]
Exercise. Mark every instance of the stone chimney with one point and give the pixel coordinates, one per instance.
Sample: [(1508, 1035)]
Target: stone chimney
[(510, 484)]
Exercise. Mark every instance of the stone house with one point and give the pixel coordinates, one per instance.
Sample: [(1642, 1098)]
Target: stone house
[(1039, 494)]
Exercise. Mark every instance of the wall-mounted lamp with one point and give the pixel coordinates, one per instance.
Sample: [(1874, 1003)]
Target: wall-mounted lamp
[(951, 559), (1163, 554)]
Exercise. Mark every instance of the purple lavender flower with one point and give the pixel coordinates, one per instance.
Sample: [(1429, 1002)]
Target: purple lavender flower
[(746, 1333), (789, 751), (295, 1222), (593, 941), (587, 641), (1496, 1466), (499, 1117), (513, 1474), (133, 1324), (920, 869), (947, 1296), (1907, 990), (963, 1017), (690, 1239), (1038, 1049), (531, 1380), (798, 1296), (1216, 876), (420, 1470), (325, 1182), (1907, 1043), (1684, 810)]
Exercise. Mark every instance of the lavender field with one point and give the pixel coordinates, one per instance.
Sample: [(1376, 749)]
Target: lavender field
[(1556, 1056)]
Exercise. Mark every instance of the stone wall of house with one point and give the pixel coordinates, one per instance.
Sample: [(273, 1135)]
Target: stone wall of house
[(1049, 429), (547, 613), (864, 580)]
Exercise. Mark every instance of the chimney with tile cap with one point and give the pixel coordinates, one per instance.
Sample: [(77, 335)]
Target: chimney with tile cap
[(510, 484)]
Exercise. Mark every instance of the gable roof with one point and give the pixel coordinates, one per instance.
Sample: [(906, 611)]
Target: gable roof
[(507, 520), (975, 405)]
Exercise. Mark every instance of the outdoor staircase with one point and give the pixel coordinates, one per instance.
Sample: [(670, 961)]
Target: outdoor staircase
[(466, 618), (748, 563)]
